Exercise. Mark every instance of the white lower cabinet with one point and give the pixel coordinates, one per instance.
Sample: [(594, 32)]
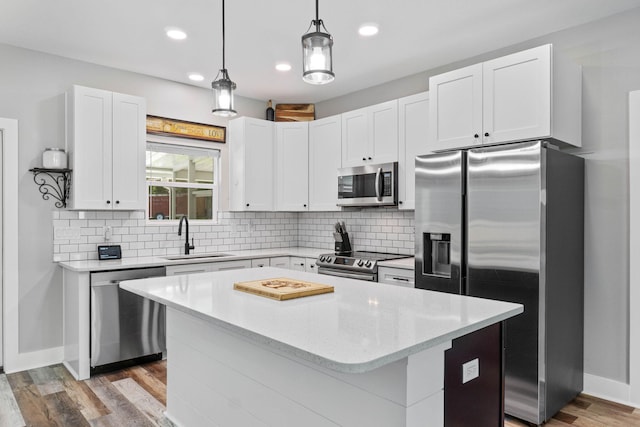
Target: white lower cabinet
[(396, 276), (297, 263), (230, 265), (260, 262), (175, 270), (280, 262), (310, 265)]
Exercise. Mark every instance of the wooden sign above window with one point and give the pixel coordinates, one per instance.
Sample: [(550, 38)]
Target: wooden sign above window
[(180, 128)]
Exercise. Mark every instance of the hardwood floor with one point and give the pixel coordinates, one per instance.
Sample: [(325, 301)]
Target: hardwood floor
[(137, 397)]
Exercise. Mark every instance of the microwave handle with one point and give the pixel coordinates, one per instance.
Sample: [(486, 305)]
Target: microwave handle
[(379, 183)]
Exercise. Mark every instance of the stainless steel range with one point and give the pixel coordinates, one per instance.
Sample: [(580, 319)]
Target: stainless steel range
[(358, 265)]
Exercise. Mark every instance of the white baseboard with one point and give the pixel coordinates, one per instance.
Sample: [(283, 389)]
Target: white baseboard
[(605, 388), (35, 359)]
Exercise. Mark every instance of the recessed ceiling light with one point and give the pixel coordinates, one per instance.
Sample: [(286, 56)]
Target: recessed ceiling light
[(196, 77), (283, 66), (175, 33), (368, 30)]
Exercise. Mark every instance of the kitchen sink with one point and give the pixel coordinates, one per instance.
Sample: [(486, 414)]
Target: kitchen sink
[(196, 256)]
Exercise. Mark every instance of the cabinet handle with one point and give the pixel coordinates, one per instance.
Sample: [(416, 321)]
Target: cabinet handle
[(305, 205), (369, 158), (476, 136), (399, 202), (247, 204), (364, 158), (117, 202), (486, 134), (108, 202), (312, 266), (260, 265), (402, 279)]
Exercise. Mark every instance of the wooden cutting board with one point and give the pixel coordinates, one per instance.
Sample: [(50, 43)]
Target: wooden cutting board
[(282, 288)]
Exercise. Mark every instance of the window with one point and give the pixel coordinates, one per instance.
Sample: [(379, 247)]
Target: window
[(182, 181)]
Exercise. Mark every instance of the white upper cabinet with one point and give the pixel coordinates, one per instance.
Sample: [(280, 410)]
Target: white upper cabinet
[(251, 164), (292, 171), (370, 135), (413, 130), (533, 94), (325, 151), (106, 136), (455, 110)]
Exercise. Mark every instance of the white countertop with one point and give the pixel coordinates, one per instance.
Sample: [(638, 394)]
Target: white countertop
[(359, 327), (404, 263), (142, 262)]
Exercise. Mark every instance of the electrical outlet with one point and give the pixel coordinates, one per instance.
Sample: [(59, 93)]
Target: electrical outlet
[(470, 370)]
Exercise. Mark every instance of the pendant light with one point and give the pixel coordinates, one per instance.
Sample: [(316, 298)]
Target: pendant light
[(317, 63), (223, 87)]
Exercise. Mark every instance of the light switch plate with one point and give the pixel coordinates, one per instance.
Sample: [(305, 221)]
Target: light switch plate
[(470, 370)]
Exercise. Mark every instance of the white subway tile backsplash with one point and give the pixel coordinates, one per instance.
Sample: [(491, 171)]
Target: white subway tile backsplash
[(381, 230)]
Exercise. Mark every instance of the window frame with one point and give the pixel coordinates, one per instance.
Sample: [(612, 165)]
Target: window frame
[(215, 187)]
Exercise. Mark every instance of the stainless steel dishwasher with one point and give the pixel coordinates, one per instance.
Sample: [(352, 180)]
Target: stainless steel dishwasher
[(125, 328)]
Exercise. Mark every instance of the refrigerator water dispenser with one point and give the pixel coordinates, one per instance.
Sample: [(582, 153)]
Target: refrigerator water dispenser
[(437, 247)]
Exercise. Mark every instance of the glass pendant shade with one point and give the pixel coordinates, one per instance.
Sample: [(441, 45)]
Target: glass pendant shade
[(223, 95), (317, 61)]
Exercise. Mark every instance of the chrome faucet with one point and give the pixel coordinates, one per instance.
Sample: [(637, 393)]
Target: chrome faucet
[(187, 246)]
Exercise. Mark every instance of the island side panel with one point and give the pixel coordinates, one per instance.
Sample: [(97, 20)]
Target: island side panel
[(217, 377), (76, 322)]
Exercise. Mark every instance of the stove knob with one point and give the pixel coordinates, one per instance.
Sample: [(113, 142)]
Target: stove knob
[(368, 264), (360, 262), (322, 258), (329, 259)]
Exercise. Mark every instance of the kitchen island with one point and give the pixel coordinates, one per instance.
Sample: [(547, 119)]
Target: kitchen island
[(365, 354)]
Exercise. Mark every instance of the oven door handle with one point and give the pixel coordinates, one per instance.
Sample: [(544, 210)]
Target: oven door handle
[(379, 190), (348, 275)]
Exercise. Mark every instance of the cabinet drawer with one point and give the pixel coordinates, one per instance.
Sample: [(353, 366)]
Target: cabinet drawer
[(260, 262), (175, 270), (396, 276)]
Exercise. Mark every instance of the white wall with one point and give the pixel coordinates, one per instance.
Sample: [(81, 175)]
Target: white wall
[(31, 90), (608, 52)]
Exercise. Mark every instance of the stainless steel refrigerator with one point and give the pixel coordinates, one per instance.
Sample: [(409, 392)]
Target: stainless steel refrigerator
[(506, 222)]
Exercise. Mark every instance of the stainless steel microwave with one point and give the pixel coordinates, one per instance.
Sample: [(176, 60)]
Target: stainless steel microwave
[(370, 185)]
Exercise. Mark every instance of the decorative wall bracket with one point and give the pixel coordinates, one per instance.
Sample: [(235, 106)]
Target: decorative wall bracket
[(53, 183)]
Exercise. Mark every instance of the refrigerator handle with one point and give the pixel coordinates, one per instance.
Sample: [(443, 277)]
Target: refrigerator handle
[(378, 182)]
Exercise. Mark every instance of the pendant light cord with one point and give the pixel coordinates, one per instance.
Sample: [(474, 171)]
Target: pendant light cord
[(223, 64)]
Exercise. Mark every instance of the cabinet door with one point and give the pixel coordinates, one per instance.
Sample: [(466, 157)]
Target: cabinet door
[(383, 128), (292, 171), (517, 96), (129, 135), (258, 165), (455, 109), (413, 131), (310, 265), (325, 158), (89, 144), (355, 134), (297, 263)]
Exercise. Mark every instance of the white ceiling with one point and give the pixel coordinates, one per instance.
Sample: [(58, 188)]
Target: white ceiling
[(415, 35)]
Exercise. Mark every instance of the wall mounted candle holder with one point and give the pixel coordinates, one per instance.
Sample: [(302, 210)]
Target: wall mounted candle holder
[(53, 183)]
